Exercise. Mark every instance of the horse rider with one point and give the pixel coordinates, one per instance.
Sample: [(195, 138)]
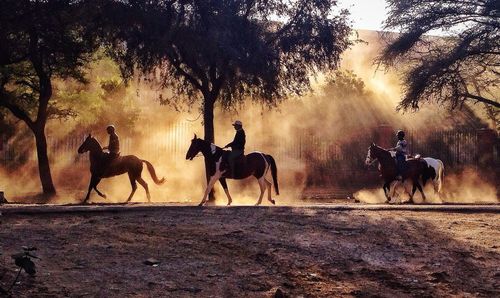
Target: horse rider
[(113, 145), (401, 153), (237, 145)]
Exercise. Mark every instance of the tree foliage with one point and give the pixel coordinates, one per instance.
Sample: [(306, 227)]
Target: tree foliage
[(212, 51), (462, 65), (40, 41), (227, 51)]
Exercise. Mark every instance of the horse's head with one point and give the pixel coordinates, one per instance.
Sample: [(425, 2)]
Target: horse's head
[(195, 148), (371, 156), (86, 146)]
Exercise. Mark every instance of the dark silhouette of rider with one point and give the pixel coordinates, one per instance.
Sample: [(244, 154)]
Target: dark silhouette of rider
[(113, 146), (401, 152), (237, 146)]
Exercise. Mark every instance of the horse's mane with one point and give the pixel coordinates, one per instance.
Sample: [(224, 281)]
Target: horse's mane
[(207, 143), (382, 150), (96, 142)]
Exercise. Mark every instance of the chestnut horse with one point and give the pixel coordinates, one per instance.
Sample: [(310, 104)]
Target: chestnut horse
[(255, 164), (130, 164), (415, 169)]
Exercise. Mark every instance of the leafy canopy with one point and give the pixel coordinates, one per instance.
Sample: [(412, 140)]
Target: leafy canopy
[(229, 50), (41, 40), (462, 65)]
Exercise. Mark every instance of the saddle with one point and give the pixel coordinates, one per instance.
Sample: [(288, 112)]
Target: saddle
[(238, 163), (413, 157), (109, 158)]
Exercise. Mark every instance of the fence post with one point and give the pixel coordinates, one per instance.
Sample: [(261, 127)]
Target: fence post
[(384, 136), (486, 139)]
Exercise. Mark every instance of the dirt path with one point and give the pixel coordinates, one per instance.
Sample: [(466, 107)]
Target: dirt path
[(250, 251)]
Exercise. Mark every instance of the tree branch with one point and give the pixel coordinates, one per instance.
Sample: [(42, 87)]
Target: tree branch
[(482, 99), (185, 74), (15, 110)]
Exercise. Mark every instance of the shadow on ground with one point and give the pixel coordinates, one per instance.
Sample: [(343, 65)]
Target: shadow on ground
[(245, 251)]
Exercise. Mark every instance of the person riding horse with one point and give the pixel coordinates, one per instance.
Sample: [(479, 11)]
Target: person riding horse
[(401, 153), (237, 146), (113, 146)]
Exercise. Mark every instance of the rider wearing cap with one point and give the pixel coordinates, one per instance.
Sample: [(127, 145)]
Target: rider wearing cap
[(113, 149), (114, 144), (237, 145), (401, 152)]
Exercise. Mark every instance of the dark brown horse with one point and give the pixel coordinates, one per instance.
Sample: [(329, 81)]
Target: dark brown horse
[(255, 164), (415, 168), (124, 164)]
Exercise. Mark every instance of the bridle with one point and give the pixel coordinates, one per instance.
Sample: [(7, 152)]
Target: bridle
[(198, 155), (369, 160)]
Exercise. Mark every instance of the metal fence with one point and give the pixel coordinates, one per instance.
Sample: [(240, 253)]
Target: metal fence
[(327, 159)]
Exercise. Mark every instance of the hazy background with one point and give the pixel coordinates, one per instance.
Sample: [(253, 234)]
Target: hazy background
[(341, 110)]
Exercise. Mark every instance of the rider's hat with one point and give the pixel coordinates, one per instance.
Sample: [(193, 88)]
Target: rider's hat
[(400, 133), (237, 122), (111, 126)]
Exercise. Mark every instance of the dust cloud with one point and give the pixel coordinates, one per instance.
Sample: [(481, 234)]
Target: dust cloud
[(464, 187), (341, 107)]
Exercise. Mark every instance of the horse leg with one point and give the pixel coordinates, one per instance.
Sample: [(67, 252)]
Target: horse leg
[(226, 190), (262, 185), (269, 191), (421, 190), (134, 186), (386, 186), (210, 185), (145, 185), (414, 189), (95, 188), (92, 184)]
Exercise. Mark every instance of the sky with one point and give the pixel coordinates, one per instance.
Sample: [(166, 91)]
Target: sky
[(366, 14)]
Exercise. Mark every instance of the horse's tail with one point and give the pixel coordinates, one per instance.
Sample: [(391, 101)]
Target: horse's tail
[(440, 176), (274, 173), (153, 173)]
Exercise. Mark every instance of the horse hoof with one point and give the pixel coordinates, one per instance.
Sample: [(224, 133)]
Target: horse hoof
[(273, 202), (200, 205)]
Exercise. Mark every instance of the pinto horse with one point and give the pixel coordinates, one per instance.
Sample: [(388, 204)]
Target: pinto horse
[(255, 164), (416, 168), (130, 164), (435, 173)]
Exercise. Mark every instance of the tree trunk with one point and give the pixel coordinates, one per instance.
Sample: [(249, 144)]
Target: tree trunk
[(209, 135), (43, 162)]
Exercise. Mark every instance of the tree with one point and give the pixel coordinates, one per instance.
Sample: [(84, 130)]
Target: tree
[(223, 52), (40, 41), (461, 66)]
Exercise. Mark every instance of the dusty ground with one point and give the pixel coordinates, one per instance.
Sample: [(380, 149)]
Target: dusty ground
[(253, 251)]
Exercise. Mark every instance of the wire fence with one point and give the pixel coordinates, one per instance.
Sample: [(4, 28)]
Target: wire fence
[(327, 159)]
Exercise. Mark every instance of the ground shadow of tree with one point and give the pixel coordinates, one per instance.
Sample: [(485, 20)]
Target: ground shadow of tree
[(249, 251)]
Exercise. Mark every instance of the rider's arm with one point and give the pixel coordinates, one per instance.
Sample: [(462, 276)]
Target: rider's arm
[(400, 147)]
